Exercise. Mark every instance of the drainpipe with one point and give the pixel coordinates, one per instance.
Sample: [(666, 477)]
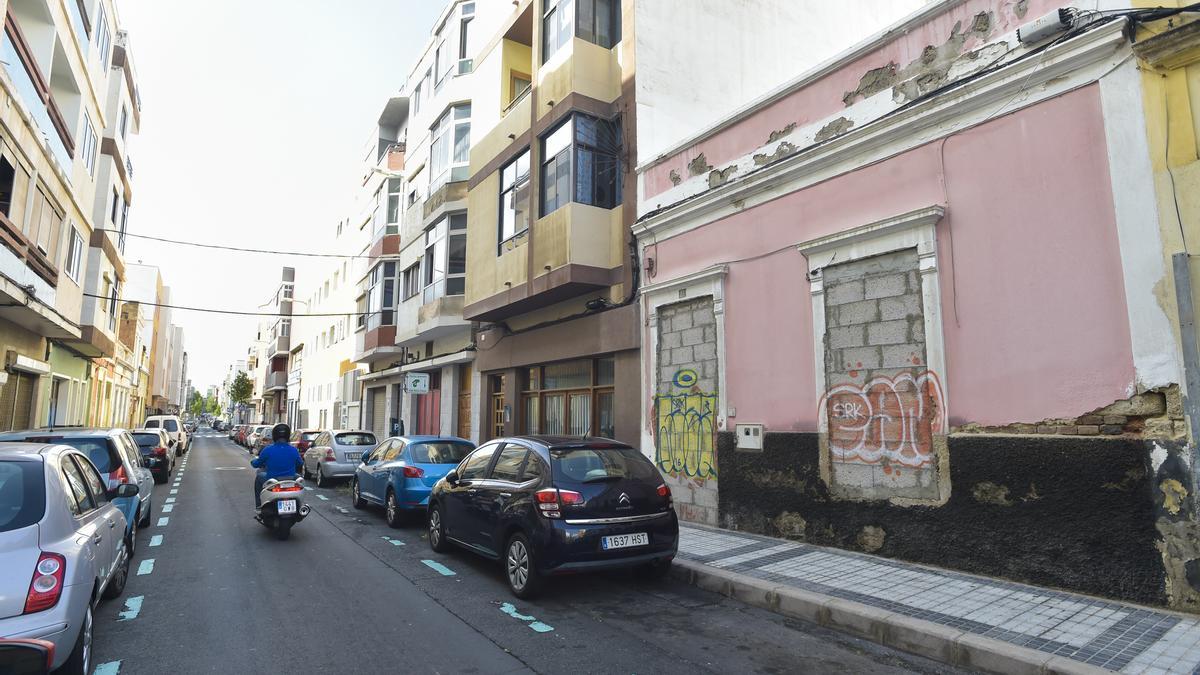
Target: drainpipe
[(1191, 355)]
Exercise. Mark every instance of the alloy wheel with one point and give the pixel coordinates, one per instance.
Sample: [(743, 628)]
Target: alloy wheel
[(391, 508), (87, 640), (435, 527), (518, 564)]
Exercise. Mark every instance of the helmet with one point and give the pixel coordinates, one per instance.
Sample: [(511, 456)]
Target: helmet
[(280, 433)]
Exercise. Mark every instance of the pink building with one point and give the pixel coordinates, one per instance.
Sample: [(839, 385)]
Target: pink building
[(909, 303)]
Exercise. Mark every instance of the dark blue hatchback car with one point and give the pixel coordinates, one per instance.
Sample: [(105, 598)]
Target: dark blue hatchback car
[(556, 505)]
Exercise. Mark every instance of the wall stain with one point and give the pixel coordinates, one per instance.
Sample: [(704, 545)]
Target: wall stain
[(699, 166), (719, 177), (780, 133), (1173, 495), (991, 493), (782, 150), (676, 179), (871, 538)]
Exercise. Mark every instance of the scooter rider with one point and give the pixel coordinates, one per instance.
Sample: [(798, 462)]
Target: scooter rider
[(277, 460)]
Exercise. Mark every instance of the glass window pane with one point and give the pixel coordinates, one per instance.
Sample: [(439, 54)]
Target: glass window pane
[(456, 285), (550, 187), (462, 143), (555, 413), (605, 369), (508, 464), (566, 22), (458, 254), (581, 414), (522, 164), (531, 415), (569, 375), (564, 177), (558, 141), (462, 112), (585, 27), (585, 176), (604, 411)]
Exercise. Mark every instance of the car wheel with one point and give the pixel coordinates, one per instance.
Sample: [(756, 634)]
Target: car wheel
[(144, 521), (131, 539), (519, 568), (437, 530), (393, 510), (356, 496), (80, 660), (117, 586), (304, 471), (322, 481)]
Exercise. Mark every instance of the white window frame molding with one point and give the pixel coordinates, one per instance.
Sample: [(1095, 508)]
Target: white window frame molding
[(915, 229), (707, 282)]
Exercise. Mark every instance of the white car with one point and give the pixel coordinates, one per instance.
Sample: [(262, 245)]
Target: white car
[(174, 428)]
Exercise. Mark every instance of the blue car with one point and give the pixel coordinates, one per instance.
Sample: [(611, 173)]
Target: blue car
[(118, 459), (400, 472)]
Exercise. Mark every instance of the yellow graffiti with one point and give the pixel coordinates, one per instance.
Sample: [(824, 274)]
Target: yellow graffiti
[(1173, 495), (686, 434)]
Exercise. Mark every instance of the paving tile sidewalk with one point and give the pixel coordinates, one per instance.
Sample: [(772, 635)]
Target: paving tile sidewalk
[(1087, 630)]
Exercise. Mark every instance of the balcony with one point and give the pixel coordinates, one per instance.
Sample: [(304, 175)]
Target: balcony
[(377, 344), (443, 197), (276, 381), (437, 319), (280, 346), (35, 92)]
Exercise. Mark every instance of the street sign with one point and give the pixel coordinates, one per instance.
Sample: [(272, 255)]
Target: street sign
[(416, 383)]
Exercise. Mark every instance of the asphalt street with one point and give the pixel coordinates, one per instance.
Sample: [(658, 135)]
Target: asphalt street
[(210, 590)]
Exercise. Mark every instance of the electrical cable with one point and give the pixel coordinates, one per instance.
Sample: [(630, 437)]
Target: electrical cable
[(240, 249), (236, 312), (1170, 173)]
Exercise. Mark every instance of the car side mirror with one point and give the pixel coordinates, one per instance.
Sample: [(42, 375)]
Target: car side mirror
[(123, 490), (452, 478)]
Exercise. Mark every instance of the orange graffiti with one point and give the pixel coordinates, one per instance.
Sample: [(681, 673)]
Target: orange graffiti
[(884, 420)]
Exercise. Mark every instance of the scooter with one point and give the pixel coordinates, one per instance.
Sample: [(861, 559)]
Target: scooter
[(282, 505)]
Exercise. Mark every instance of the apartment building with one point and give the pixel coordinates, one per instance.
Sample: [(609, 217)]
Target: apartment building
[(67, 74), (271, 371), (323, 382), (552, 278), (411, 335)]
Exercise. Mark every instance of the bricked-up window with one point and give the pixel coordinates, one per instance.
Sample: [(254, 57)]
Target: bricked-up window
[(581, 163), (570, 397), (514, 198)]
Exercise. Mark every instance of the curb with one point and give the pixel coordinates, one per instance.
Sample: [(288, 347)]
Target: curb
[(948, 645)]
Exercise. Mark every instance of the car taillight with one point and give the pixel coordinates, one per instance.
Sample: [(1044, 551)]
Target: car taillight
[(664, 491), (160, 451), (550, 500), (47, 584), (287, 488), (413, 472), (329, 456)]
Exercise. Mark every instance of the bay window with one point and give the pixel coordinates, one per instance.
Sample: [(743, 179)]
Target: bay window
[(446, 258), (450, 152), (395, 187), (514, 197), (381, 295), (597, 21), (581, 162)]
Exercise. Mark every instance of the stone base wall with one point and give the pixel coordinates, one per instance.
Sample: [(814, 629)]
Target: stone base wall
[(1071, 512)]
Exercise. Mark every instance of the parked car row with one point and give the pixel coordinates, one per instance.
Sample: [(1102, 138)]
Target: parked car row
[(253, 437), (71, 502), (541, 505)]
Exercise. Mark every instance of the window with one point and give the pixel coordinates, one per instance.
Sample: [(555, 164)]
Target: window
[(582, 163), (75, 254), (440, 452), (361, 307), (114, 209), (123, 123), (450, 151), (89, 144), (94, 482), (598, 22), (475, 468), (519, 84), (443, 63), (464, 41), (557, 24), (395, 188), (416, 99), (508, 464), (412, 280), (77, 486), (44, 225), (103, 38), (572, 397), (514, 197), (446, 257), (112, 305), (381, 295)]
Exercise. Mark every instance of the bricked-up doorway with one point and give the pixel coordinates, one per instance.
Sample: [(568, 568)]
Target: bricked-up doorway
[(880, 355)]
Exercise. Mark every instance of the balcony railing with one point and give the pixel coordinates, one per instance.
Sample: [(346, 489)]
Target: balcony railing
[(276, 380)]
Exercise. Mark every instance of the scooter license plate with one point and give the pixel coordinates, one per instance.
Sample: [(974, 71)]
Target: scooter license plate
[(285, 506)]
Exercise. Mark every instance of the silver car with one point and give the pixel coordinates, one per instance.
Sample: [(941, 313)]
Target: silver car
[(62, 548), (256, 433), (336, 454)]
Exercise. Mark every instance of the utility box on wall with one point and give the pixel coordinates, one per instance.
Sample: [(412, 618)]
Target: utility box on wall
[(749, 436)]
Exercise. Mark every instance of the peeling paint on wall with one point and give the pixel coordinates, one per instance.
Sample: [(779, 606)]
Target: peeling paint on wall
[(699, 166), (835, 128), (676, 179), (719, 177), (780, 133), (782, 150)]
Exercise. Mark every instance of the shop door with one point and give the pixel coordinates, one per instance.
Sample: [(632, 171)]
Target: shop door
[(429, 413), (16, 402), (379, 421), (464, 401)]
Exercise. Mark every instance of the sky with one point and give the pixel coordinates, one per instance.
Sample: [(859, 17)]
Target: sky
[(254, 117)]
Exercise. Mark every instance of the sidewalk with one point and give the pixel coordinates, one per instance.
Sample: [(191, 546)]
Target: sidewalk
[(975, 622)]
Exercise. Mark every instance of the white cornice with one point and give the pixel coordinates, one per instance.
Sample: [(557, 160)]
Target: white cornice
[(929, 215), (1073, 64), (706, 274)]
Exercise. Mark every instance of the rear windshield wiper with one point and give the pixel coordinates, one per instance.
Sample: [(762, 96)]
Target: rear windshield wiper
[(597, 479)]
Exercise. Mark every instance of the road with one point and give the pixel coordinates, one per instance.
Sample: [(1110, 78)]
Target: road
[(347, 594)]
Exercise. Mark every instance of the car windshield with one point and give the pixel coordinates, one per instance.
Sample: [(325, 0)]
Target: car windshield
[(22, 494), (309, 435), (152, 424), (147, 440), (587, 465), (171, 425), (440, 452), (355, 438)]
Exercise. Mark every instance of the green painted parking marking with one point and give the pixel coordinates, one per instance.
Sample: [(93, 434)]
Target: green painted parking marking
[(146, 567), (162, 522), (167, 508), (393, 542), (535, 625), (439, 568), (174, 492), (156, 540), (110, 668), (323, 498), (170, 500), (133, 607)]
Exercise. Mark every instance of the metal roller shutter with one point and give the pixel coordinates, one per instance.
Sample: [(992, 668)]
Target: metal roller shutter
[(379, 423)]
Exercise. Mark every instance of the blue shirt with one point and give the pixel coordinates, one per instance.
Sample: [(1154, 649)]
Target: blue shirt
[(278, 460)]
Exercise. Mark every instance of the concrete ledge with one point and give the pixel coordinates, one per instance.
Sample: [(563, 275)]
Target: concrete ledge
[(916, 636)]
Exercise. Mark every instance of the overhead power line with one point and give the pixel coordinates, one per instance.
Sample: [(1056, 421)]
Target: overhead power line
[(242, 249), (236, 312)]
